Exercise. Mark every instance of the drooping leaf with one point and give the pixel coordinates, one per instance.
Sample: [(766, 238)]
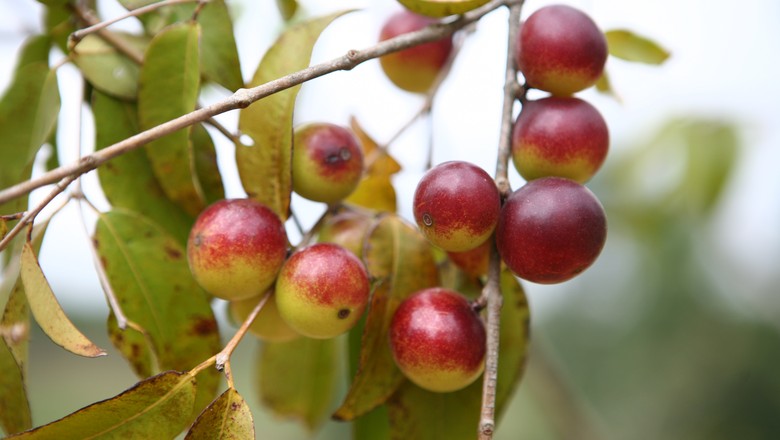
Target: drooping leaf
[(287, 8), (227, 417), (402, 262), (128, 180), (514, 334), (15, 416), (148, 273), (134, 346), (264, 167), (107, 69), (218, 51), (375, 190), (206, 168), (168, 88), (630, 46), (59, 24), (297, 379), (159, 407), (47, 311)]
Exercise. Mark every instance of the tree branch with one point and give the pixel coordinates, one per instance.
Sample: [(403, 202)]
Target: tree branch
[(242, 98)]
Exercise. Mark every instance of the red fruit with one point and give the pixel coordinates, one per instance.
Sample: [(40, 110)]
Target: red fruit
[(456, 206), (414, 69), (565, 137), (236, 247), (550, 230), (438, 340), (560, 50)]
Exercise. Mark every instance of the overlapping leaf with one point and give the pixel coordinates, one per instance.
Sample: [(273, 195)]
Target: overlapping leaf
[(107, 69), (219, 54), (375, 190), (402, 262), (159, 407), (630, 46), (297, 379), (168, 88), (15, 415), (206, 168), (514, 334), (148, 273), (227, 417), (264, 167)]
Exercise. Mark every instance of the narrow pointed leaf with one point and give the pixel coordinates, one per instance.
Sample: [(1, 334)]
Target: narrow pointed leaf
[(108, 70), (375, 190), (206, 168), (148, 273), (169, 85), (264, 167), (219, 54), (159, 407), (287, 8), (402, 260), (513, 339), (47, 311), (228, 417), (15, 415), (122, 177), (134, 346), (630, 46), (297, 379)]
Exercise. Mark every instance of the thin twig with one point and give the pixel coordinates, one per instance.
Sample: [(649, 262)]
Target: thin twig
[(242, 98), (86, 16), (223, 357)]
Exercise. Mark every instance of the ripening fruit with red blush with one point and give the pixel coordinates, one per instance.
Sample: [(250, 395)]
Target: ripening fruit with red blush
[(414, 69), (347, 229), (564, 137), (438, 340), (456, 206), (322, 290), (550, 230), (560, 50), (236, 247), (268, 325), (327, 162)]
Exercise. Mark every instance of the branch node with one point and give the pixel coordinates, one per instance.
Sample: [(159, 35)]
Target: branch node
[(242, 97)]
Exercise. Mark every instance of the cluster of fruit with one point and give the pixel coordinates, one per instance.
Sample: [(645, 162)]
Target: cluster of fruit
[(547, 231)]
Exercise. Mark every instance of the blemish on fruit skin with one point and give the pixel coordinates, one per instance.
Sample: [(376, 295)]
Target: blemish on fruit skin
[(427, 220), (343, 314)]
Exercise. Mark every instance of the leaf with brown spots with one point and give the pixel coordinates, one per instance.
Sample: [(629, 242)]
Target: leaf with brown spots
[(228, 417)]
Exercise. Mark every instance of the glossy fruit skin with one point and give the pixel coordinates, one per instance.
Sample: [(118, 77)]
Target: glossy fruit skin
[(236, 247), (456, 206), (438, 340), (550, 230), (268, 325), (560, 50), (327, 162), (559, 136), (322, 290), (347, 229), (414, 69)]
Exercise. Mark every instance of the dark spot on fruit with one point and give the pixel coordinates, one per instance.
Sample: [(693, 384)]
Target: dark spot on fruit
[(198, 240), (205, 326), (345, 154), (427, 220), (343, 313)]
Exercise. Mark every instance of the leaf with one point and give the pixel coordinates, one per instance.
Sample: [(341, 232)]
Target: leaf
[(375, 190), (123, 177), (134, 346), (15, 415), (169, 84), (630, 46), (218, 51), (373, 425), (107, 69), (514, 334), (264, 167), (228, 417), (441, 8), (206, 168), (604, 85), (159, 407), (47, 311), (148, 272), (402, 262), (59, 24), (287, 8), (297, 379)]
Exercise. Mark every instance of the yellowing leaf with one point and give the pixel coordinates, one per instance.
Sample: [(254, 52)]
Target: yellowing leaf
[(629, 46), (265, 167), (47, 311), (375, 190), (219, 54), (169, 85), (297, 379), (157, 408), (287, 8), (15, 415), (228, 417), (441, 8), (402, 260)]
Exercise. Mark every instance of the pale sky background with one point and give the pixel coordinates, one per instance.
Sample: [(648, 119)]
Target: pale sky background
[(724, 63)]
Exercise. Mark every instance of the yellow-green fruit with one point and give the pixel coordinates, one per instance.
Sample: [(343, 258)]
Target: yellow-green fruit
[(347, 229), (268, 325)]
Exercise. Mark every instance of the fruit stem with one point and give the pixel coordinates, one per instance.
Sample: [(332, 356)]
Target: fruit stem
[(223, 357)]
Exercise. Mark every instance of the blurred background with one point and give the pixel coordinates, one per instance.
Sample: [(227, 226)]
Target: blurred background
[(674, 332)]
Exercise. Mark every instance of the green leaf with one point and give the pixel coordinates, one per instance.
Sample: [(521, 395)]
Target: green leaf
[(15, 415), (159, 407), (514, 334), (148, 273), (629, 46), (47, 311), (59, 24), (169, 85), (227, 417), (34, 50), (134, 346), (264, 167), (108, 70), (373, 425), (297, 379), (402, 262), (122, 177), (206, 168), (219, 54)]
